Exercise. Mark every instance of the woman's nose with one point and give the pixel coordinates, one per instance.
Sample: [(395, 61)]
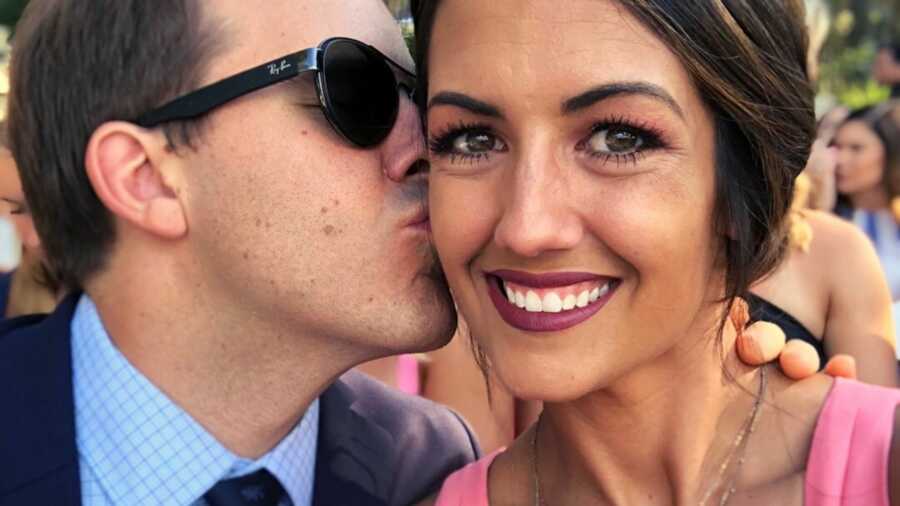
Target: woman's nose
[(538, 213), (844, 159)]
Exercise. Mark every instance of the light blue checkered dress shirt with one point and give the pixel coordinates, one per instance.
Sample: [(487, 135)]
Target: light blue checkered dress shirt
[(137, 447)]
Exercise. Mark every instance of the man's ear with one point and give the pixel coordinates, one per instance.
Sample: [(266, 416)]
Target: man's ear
[(124, 163)]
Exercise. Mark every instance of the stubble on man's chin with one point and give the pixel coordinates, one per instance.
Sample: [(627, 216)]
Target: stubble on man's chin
[(434, 274), (431, 271)]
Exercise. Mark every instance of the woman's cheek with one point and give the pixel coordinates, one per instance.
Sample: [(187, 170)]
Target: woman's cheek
[(457, 209), (650, 216)]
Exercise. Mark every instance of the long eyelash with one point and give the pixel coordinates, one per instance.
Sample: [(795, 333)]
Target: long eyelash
[(16, 207), (441, 143), (619, 158), (650, 131), (470, 159), (653, 139)]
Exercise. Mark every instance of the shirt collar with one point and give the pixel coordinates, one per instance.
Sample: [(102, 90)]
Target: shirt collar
[(292, 461), (139, 443)]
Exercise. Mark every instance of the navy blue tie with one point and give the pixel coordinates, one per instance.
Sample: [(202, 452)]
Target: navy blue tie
[(255, 489)]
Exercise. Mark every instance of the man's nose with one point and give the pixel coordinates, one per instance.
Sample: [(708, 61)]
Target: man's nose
[(403, 151)]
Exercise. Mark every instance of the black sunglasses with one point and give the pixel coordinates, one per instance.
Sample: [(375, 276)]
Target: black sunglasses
[(356, 84)]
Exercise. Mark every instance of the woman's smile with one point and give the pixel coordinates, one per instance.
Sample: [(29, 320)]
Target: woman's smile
[(548, 302)]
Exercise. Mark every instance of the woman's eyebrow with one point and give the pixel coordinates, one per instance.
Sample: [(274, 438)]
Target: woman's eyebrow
[(463, 101), (609, 90)]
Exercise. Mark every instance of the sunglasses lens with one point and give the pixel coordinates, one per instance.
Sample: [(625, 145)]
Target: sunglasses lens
[(361, 92)]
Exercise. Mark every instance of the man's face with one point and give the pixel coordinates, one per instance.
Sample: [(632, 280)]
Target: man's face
[(288, 220)]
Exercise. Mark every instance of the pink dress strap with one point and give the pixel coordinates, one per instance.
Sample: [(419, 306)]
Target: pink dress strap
[(848, 460), (469, 485), (408, 374)]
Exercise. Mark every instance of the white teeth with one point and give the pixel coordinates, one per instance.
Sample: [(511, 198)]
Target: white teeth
[(552, 303), (533, 303), (583, 299), (603, 290)]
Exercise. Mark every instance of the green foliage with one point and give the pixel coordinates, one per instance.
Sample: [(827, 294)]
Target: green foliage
[(858, 29), (410, 37), (10, 10), (847, 76), (861, 95)]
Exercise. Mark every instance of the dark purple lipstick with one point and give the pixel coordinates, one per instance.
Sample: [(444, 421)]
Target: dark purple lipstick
[(522, 319)]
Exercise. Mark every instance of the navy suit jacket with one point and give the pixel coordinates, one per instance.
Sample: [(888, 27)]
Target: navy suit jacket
[(376, 446)]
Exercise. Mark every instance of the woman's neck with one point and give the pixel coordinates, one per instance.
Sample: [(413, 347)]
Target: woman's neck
[(658, 436), (873, 199)]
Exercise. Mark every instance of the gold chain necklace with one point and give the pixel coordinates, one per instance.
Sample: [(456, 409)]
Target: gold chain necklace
[(738, 446)]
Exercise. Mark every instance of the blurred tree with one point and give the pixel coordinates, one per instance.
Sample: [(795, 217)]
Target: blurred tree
[(865, 20), (858, 29), (10, 10)]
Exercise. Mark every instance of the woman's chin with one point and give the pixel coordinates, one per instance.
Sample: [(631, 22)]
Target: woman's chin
[(561, 382)]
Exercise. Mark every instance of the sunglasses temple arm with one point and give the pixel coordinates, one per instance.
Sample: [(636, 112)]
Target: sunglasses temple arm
[(409, 77), (406, 73), (209, 97)]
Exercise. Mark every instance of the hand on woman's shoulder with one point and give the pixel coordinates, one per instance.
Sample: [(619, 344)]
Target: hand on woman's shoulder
[(822, 427), (777, 452), (800, 396)]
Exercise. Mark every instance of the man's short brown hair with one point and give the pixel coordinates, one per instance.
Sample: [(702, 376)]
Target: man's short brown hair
[(76, 65)]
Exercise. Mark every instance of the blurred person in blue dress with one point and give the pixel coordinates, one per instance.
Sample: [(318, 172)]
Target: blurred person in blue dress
[(867, 178)]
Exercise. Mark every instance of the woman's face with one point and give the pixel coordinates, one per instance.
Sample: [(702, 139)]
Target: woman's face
[(572, 191), (12, 203), (861, 158)]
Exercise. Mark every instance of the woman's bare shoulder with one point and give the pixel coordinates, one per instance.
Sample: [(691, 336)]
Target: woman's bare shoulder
[(859, 315), (830, 231), (854, 276), (817, 271)]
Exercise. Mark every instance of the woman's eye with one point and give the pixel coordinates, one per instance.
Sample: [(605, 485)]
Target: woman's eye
[(615, 140), (466, 143), (476, 143), (16, 207)]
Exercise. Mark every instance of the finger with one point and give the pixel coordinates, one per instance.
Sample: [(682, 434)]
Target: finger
[(760, 343), (841, 366), (799, 360)]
